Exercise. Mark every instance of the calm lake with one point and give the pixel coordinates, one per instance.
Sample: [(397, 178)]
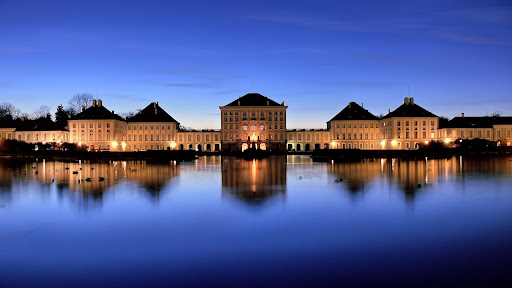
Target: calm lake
[(281, 221)]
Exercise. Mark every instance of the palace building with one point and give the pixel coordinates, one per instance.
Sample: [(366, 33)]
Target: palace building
[(256, 121), (253, 121)]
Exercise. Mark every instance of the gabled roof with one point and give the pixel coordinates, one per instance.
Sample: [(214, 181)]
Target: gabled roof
[(409, 109), (41, 124), (254, 99), (96, 112), (477, 122), (152, 113), (354, 112)]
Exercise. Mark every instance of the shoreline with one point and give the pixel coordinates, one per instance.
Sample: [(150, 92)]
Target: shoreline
[(317, 155)]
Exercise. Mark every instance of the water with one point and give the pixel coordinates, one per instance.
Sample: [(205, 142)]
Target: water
[(282, 221)]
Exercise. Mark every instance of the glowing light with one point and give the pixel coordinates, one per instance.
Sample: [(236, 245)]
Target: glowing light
[(333, 144), (426, 142), (447, 141), (123, 144), (114, 144), (393, 142), (173, 145), (79, 143), (383, 142)]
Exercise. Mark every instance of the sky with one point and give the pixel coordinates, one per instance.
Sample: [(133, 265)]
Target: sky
[(316, 56)]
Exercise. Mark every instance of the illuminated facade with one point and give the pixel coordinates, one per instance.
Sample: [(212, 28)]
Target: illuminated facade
[(98, 128), (488, 128), (408, 126), (151, 129), (255, 121)]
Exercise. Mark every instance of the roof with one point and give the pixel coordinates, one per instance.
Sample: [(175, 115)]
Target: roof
[(254, 99), (41, 124), (152, 113), (354, 112), (477, 122), (409, 109), (96, 112)]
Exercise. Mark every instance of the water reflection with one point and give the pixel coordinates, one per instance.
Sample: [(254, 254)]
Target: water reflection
[(254, 181), (413, 176), (87, 183)]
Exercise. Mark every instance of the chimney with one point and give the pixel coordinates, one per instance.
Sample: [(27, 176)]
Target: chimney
[(155, 111), (100, 103), (389, 110), (113, 112), (154, 105), (462, 114), (406, 101), (238, 102), (362, 105), (349, 105), (94, 103), (411, 101), (268, 103), (282, 104), (83, 107)]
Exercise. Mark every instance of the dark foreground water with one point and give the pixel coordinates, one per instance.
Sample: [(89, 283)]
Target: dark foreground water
[(279, 222)]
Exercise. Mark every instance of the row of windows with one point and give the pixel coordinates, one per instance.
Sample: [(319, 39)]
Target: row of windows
[(349, 136), (151, 127), (36, 137), (151, 138), (245, 127), (424, 134), (271, 137), (91, 125), (415, 123), (236, 119), (198, 137), (253, 114), (308, 137), (350, 125)]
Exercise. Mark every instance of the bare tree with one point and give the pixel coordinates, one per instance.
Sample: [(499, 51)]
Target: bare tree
[(80, 100), (9, 112), (41, 112), (129, 114)]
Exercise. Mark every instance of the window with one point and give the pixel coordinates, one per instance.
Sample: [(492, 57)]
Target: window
[(262, 126), (343, 136), (146, 137), (198, 137), (140, 137), (157, 127), (151, 127), (244, 127), (253, 127), (415, 123), (337, 136), (406, 123), (432, 123), (74, 125), (189, 137), (108, 125), (398, 123)]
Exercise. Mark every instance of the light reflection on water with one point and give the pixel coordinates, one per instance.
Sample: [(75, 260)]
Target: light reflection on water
[(287, 219)]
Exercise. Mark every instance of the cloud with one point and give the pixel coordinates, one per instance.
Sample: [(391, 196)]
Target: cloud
[(233, 91), (183, 85), (473, 39), (18, 49)]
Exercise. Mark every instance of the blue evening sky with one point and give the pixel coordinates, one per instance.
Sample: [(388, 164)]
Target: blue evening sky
[(193, 56)]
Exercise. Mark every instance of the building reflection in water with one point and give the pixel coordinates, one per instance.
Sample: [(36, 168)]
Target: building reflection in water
[(254, 181), (413, 176), (87, 183)]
